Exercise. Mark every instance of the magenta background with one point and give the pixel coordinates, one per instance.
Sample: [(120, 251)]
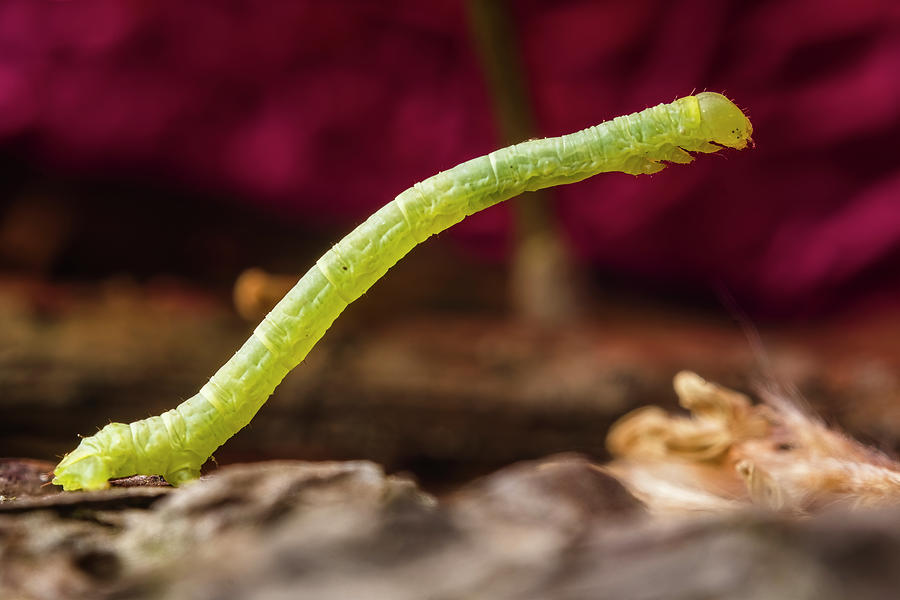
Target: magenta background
[(323, 111)]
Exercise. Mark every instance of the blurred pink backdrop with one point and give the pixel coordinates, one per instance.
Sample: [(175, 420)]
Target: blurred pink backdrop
[(323, 111)]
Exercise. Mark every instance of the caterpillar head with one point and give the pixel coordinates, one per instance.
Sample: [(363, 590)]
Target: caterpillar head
[(723, 122)]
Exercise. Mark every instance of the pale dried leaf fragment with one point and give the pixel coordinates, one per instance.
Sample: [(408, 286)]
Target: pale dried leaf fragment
[(731, 453)]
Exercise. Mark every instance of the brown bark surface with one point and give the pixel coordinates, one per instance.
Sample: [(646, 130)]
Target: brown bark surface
[(553, 529)]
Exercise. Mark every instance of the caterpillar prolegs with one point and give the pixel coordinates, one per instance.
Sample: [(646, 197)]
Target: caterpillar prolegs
[(176, 443)]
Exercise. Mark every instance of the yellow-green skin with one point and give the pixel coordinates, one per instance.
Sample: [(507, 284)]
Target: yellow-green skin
[(176, 443)]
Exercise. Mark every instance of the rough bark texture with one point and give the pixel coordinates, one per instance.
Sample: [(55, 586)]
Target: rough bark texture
[(555, 529)]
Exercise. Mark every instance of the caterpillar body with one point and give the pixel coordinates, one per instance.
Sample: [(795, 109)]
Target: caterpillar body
[(176, 443)]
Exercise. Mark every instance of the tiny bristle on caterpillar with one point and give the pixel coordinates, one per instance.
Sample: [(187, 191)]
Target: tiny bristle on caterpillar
[(178, 442)]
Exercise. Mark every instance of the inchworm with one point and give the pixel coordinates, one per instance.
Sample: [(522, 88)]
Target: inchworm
[(176, 443)]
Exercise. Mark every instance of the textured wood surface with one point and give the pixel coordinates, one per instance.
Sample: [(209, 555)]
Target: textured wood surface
[(554, 529)]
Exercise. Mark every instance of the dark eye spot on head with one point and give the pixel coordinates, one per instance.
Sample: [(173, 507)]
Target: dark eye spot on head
[(784, 447), (344, 268)]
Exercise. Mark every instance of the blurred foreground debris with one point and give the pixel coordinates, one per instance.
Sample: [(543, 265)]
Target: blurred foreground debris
[(555, 529)]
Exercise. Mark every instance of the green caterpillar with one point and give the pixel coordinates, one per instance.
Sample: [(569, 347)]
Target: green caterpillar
[(176, 443)]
